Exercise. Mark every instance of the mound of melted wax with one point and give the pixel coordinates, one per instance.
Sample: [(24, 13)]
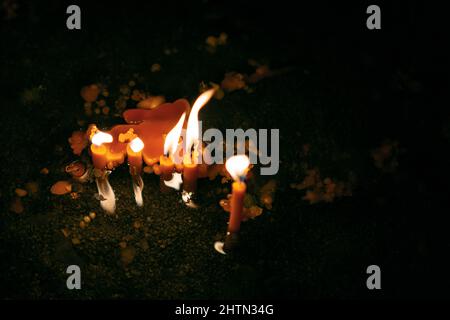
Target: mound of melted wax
[(150, 126)]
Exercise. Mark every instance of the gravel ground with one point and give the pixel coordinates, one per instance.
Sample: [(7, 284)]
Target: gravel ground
[(347, 93)]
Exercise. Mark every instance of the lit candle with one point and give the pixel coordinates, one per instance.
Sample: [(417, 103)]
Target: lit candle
[(190, 173), (100, 160), (236, 206), (99, 150), (134, 155), (166, 166), (166, 163), (190, 168), (237, 166)]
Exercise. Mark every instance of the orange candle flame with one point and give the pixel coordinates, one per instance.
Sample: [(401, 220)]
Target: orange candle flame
[(172, 138), (101, 137), (192, 132)]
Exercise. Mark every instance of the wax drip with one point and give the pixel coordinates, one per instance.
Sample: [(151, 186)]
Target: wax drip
[(218, 246), (138, 186), (106, 193), (175, 182)]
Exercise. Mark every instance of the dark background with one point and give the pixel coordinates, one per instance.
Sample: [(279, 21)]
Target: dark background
[(352, 89)]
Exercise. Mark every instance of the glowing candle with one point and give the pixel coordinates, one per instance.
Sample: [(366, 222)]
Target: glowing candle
[(237, 166), (166, 166), (166, 163), (190, 170), (134, 155), (99, 150), (100, 160)]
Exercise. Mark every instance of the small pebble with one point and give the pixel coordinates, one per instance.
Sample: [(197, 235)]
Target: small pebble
[(65, 232), (123, 244), (137, 224), (211, 41), (90, 93), (21, 192), (105, 110), (61, 187), (92, 215), (74, 195), (156, 67), (82, 224), (87, 219), (44, 171)]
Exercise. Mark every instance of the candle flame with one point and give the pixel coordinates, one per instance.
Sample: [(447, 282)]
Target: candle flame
[(192, 125), (101, 137), (237, 166), (136, 145), (171, 142)]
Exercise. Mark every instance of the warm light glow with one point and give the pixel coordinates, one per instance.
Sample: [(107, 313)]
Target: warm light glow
[(101, 137), (136, 145), (237, 166), (172, 138), (192, 125)]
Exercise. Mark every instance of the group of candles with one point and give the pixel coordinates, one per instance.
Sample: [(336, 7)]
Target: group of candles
[(108, 152)]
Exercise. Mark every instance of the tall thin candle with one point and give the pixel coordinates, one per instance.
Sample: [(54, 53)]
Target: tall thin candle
[(237, 167)]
